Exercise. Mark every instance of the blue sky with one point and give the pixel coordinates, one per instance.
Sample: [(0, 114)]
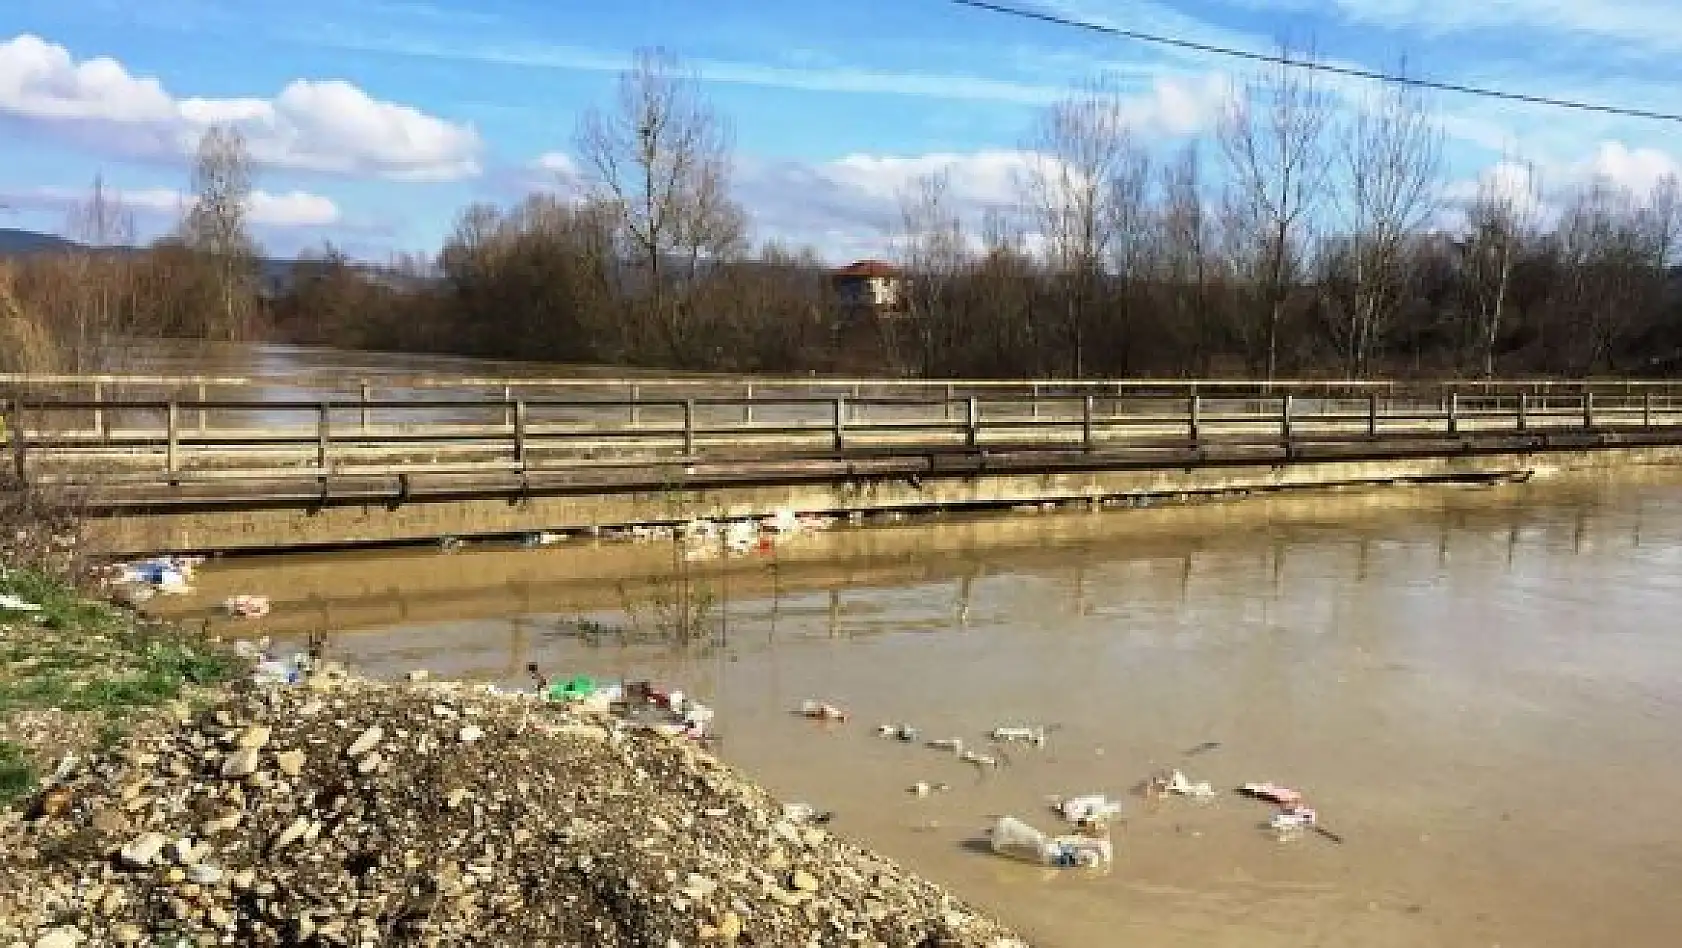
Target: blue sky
[(374, 121)]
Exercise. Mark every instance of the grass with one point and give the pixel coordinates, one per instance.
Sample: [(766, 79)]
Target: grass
[(82, 658)]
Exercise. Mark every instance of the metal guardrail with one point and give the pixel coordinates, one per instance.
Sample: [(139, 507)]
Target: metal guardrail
[(172, 442)]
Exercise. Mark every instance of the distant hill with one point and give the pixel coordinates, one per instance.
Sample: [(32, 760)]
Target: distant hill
[(14, 242)]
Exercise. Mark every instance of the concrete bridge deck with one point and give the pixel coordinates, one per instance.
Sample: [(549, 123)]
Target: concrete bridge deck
[(243, 473)]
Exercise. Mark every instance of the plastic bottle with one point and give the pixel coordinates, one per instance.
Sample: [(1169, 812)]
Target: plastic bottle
[(821, 711), (1017, 840), (1020, 735)]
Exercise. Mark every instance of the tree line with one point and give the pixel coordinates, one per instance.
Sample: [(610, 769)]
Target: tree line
[(1317, 234)]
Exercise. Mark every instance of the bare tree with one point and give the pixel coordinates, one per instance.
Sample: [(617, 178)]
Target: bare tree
[(105, 225), (1389, 174), (932, 251), (1084, 186), (662, 157), (1274, 139), (217, 226), (1500, 220), (1183, 256)]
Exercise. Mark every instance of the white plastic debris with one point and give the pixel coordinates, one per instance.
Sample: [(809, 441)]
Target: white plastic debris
[(1087, 809), (1015, 839), (1019, 735), (246, 606), (1179, 784), (12, 603)]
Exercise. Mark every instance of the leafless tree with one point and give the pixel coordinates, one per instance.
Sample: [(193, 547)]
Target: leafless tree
[(1274, 138), (1183, 264), (662, 157), (932, 250), (1084, 187), (105, 226), (217, 227), (1388, 179), (1500, 221)]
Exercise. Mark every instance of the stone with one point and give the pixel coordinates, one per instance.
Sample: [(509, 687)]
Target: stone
[(291, 834), (127, 934), (204, 874), (110, 821), (730, 926), (139, 852), (253, 738), (365, 742), (226, 822), (59, 938), (419, 674), (370, 763), (290, 763), (803, 881), (455, 798), (184, 852), (470, 733), (241, 763), (243, 880), (175, 876)]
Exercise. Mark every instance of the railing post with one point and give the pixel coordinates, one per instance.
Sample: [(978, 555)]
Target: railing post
[(1285, 418), (204, 413), (1194, 417), (323, 435), (636, 405), (946, 409), (1523, 411), (856, 395), (172, 435), (1372, 414), (14, 428), (366, 391), (1647, 408), (508, 405), (1588, 408), (747, 406), (689, 427), (520, 432), (1453, 412), (972, 422), (840, 423), (99, 408), (1086, 422), (1034, 400)]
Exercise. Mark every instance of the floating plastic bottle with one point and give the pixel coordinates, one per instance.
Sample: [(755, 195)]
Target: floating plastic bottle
[(822, 711), (1012, 838), (1019, 735), (1087, 809)]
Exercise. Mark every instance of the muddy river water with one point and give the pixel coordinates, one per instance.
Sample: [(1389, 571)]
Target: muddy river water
[(1480, 689)]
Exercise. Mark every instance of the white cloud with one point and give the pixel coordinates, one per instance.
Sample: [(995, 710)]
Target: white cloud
[(1637, 169), (326, 126), (293, 209)]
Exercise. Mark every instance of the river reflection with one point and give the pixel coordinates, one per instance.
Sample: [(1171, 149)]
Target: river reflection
[(1480, 688)]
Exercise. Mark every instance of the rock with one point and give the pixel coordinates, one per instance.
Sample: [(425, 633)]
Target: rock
[(226, 822), (109, 821), (290, 763), (455, 798), (419, 674), (470, 733), (184, 852), (241, 763), (127, 934), (204, 874), (370, 763), (291, 834), (175, 876), (243, 880), (142, 850), (730, 926), (803, 881), (365, 742), (59, 938), (253, 738)]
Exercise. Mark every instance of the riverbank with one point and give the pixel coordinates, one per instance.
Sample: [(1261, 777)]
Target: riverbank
[(201, 805)]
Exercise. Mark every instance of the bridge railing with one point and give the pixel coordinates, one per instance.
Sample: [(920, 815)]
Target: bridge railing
[(172, 441)]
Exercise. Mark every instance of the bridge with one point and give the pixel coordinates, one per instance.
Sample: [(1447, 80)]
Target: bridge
[(160, 464)]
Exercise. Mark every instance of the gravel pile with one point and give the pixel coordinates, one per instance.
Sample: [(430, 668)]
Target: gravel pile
[(344, 812)]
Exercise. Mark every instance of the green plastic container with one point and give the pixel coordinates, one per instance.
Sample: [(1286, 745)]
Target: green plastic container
[(576, 689)]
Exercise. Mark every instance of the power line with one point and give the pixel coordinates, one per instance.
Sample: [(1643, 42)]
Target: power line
[(1281, 60)]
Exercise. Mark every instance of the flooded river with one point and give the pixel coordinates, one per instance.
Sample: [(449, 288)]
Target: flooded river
[(1480, 689)]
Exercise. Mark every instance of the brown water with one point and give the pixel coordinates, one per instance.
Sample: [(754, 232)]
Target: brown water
[(1480, 689)]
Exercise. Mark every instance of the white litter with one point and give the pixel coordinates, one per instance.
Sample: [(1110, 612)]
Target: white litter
[(12, 603)]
